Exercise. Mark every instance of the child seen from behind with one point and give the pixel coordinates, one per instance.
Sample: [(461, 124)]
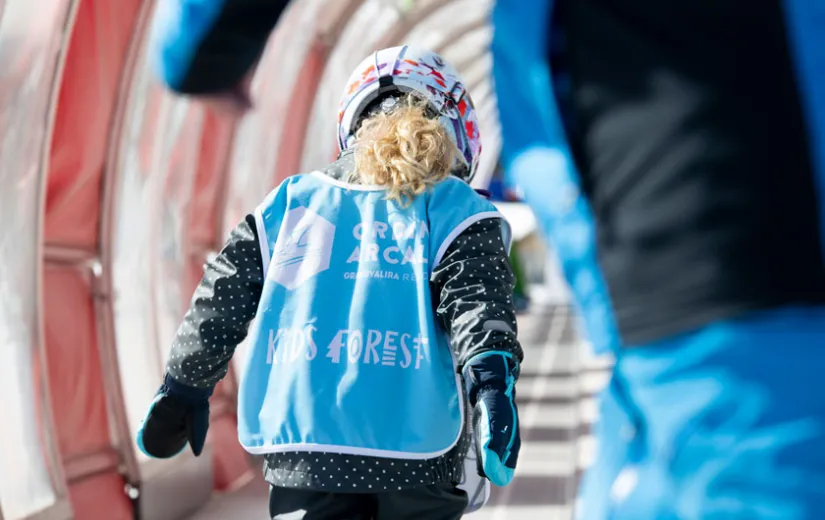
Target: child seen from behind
[(380, 299)]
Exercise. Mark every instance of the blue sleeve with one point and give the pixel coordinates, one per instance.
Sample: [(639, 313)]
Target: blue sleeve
[(528, 112), (536, 156), (208, 46)]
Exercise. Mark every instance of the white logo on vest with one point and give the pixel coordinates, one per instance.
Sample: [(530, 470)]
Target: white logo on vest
[(303, 248)]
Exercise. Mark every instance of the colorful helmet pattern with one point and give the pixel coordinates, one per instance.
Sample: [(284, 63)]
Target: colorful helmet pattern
[(409, 70)]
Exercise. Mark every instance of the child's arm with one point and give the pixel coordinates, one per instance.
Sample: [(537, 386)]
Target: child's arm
[(473, 291), (474, 287), (224, 303)]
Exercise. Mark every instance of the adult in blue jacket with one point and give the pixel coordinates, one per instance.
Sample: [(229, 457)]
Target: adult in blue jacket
[(675, 154)]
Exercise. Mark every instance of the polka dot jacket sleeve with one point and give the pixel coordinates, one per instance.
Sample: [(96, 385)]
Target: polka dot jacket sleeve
[(473, 288), (224, 303)]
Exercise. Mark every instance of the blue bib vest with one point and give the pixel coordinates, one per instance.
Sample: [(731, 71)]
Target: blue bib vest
[(345, 354)]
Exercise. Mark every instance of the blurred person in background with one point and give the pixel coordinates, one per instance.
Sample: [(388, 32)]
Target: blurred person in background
[(381, 295), (674, 153), (208, 49)]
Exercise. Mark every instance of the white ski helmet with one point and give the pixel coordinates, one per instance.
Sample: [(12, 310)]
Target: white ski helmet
[(404, 70)]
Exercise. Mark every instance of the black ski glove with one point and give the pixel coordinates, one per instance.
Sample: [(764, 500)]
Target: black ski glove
[(178, 415), (490, 378)]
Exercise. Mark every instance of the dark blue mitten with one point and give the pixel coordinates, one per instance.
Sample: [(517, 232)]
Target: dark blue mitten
[(490, 378), (178, 415)]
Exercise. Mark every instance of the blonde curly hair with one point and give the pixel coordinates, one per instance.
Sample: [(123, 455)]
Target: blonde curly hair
[(403, 150)]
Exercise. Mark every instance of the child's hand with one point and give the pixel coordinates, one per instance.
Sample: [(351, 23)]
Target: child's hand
[(178, 415), (490, 380)]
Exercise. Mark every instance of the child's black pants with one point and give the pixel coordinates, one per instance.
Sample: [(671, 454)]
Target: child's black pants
[(436, 502)]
